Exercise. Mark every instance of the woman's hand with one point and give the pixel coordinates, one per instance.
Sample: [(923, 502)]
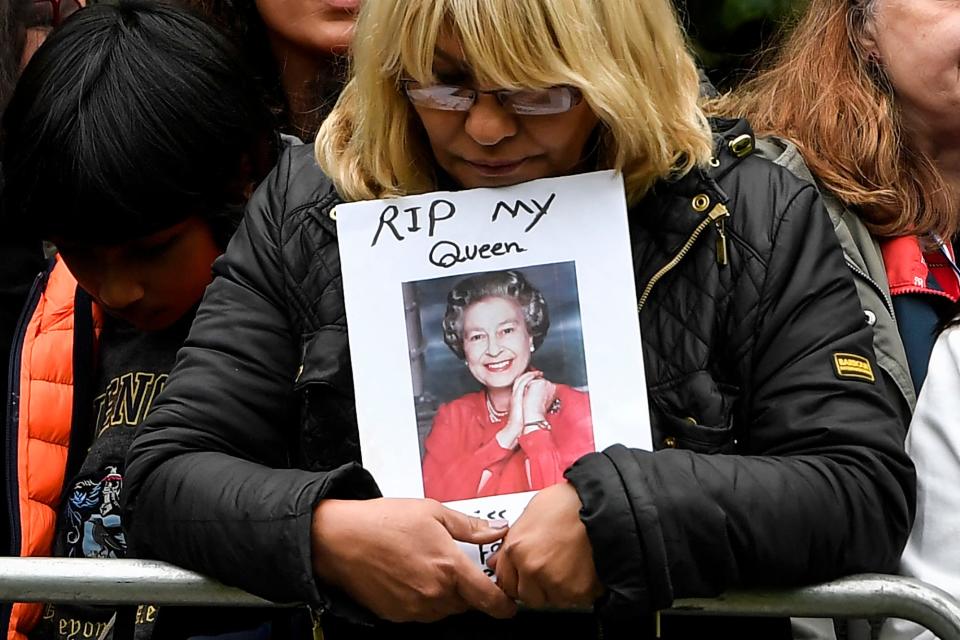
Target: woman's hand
[(398, 558), (509, 435), (546, 558)]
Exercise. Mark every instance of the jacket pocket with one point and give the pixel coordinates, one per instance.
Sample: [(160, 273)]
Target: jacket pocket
[(695, 412), (325, 359), (324, 385)]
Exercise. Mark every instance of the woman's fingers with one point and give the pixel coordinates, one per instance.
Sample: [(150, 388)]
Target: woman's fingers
[(473, 586), (520, 384), (548, 553), (479, 592), (538, 398), (399, 558), (506, 574)]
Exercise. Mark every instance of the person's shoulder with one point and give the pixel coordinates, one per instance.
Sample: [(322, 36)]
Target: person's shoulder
[(757, 180), (742, 159), (296, 199), (763, 182), (295, 185), (784, 153), (306, 185)]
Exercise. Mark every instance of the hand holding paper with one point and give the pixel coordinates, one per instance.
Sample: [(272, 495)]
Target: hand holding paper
[(546, 558), (399, 558)]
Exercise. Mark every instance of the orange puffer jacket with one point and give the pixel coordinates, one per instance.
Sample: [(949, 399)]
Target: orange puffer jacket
[(39, 418)]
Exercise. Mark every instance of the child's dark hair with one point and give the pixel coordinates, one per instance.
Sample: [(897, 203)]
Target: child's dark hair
[(129, 119)]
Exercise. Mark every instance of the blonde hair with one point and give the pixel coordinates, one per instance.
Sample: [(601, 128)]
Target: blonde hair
[(824, 93), (628, 57)]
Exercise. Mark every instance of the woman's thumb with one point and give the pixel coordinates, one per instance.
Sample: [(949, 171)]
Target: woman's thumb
[(470, 529)]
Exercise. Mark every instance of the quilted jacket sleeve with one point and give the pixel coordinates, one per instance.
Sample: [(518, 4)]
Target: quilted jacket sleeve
[(824, 487), (208, 483)]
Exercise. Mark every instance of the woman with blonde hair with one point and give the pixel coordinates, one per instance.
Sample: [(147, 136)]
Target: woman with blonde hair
[(248, 469)]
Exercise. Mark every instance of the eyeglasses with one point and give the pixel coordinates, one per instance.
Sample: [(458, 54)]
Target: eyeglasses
[(523, 102), (50, 13)]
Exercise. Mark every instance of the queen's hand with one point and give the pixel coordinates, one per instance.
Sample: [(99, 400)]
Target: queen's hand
[(539, 396), (508, 437)]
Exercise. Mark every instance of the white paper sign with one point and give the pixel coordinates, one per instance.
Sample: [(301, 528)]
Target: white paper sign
[(446, 297)]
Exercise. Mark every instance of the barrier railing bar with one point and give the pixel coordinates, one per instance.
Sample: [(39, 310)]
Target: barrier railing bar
[(91, 581), (859, 596)]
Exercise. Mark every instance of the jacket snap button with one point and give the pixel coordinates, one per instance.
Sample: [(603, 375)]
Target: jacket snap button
[(871, 317), (670, 442), (700, 202), (742, 145), (333, 214)]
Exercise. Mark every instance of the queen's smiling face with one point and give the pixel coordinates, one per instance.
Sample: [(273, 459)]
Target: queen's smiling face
[(496, 342)]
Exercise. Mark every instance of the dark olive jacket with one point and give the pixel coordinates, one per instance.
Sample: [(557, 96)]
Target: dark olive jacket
[(778, 462)]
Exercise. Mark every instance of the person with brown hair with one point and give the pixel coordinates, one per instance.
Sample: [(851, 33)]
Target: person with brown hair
[(296, 48), (863, 98)]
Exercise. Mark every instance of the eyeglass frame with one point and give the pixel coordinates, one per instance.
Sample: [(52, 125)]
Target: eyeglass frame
[(576, 95)]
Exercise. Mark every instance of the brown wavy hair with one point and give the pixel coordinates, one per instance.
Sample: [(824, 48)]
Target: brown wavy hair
[(827, 95)]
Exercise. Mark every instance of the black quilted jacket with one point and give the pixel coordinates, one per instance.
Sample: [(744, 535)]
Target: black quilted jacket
[(775, 466)]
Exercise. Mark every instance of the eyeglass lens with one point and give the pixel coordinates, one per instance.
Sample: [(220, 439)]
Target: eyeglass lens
[(522, 102)]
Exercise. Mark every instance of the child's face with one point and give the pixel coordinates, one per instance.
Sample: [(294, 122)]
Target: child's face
[(150, 282)]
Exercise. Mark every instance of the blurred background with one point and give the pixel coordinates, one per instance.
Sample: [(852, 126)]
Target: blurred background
[(730, 36)]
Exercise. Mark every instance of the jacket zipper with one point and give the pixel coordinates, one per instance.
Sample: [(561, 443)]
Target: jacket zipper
[(12, 427), (316, 627), (873, 283), (715, 217)]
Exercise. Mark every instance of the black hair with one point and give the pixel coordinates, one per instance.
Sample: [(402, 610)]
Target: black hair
[(130, 118), (495, 284), (12, 38)]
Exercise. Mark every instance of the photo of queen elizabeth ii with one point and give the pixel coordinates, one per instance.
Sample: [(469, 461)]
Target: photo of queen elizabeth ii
[(520, 423)]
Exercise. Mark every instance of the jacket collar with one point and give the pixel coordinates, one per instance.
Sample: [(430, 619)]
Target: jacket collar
[(668, 213), (910, 269)]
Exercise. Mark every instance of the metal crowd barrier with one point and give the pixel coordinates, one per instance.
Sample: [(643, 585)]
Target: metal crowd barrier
[(134, 582)]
